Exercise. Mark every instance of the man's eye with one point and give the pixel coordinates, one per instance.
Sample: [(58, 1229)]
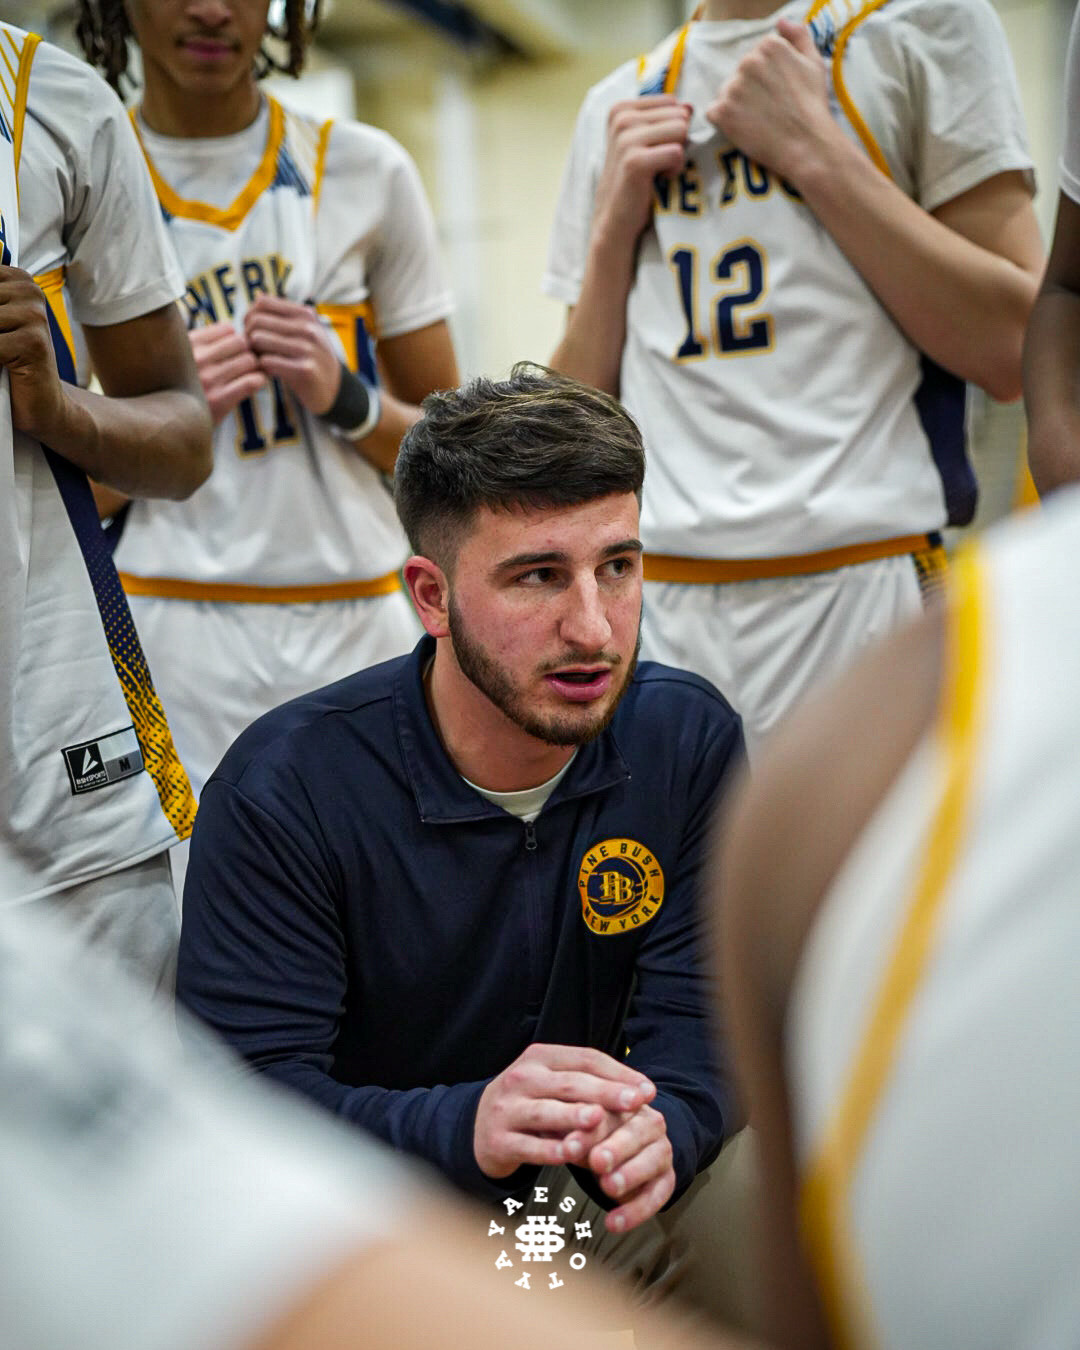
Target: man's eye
[(536, 576), (619, 567)]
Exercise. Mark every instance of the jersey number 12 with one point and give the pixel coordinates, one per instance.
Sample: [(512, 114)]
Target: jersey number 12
[(740, 270)]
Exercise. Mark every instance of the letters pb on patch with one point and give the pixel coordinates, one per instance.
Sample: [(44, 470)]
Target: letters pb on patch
[(621, 885)]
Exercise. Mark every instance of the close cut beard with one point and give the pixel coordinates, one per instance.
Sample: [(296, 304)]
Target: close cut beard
[(482, 670)]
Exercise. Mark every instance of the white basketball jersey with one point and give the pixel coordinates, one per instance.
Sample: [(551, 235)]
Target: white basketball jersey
[(156, 1198), (89, 780), (324, 214), (783, 410), (934, 1023)]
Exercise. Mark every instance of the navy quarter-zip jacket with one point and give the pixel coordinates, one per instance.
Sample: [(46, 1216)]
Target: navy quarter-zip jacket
[(360, 924)]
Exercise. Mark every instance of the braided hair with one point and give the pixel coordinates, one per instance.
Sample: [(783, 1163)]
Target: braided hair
[(103, 29)]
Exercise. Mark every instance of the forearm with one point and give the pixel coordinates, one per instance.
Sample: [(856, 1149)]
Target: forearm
[(380, 446), (435, 1124), (963, 305), (1052, 388), (591, 348), (152, 445)]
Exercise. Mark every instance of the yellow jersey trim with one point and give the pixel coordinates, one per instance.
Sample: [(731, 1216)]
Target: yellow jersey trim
[(22, 89), (10, 84), (844, 98), (320, 159), (707, 571), (229, 217), (850, 22), (226, 592), (825, 1190), (52, 284), (342, 319)]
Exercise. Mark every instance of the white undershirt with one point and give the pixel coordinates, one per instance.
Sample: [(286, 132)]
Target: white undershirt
[(527, 803)]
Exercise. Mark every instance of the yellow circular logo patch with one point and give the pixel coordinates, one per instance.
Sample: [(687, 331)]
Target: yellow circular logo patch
[(621, 886)]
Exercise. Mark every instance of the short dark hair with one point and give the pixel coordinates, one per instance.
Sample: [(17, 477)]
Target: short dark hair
[(103, 30), (537, 439)]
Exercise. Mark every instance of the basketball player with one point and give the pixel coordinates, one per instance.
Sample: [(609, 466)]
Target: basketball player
[(1052, 347), (787, 237), (91, 791), (901, 974), (302, 242)]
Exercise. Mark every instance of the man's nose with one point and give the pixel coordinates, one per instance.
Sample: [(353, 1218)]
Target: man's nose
[(585, 625)]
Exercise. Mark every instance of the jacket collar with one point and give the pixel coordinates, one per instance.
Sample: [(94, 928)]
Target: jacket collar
[(442, 795)]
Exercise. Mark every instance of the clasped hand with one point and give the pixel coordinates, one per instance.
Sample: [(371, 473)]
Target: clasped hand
[(559, 1104), (280, 339)]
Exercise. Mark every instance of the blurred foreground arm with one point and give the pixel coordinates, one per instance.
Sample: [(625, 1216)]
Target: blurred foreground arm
[(1052, 360), (815, 787)]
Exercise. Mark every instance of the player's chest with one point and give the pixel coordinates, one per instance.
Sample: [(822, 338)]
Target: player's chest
[(272, 251)]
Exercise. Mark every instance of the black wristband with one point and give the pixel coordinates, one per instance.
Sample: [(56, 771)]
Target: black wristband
[(355, 410)]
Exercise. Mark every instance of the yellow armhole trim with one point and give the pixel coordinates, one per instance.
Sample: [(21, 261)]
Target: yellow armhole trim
[(320, 159), (52, 284), (846, 102), (22, 87), (824, 1200), (229, 217), (342, 319), (843, 97)]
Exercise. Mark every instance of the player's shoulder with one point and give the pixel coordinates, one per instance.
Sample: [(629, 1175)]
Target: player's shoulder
[(59, 81), (304, 736), (357, 147), (72, 105), (940, 20), (619, 84)]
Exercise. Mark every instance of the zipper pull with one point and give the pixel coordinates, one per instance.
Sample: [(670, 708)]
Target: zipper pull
[(530, 836)]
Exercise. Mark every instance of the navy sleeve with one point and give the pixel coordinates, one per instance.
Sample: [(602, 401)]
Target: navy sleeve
[(671, 1027), (263, 962)]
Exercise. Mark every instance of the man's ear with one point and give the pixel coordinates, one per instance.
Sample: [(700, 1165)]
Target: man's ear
[(430, 593)]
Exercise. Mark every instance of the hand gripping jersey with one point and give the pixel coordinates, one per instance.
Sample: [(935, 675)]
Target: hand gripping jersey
[(933, 1046), (783, 410), (89, 780), (331, 215)]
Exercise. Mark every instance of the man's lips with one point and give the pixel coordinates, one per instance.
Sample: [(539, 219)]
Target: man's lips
[(580, 684)]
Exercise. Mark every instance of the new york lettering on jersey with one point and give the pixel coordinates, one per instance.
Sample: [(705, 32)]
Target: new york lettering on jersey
[(751, 274)]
